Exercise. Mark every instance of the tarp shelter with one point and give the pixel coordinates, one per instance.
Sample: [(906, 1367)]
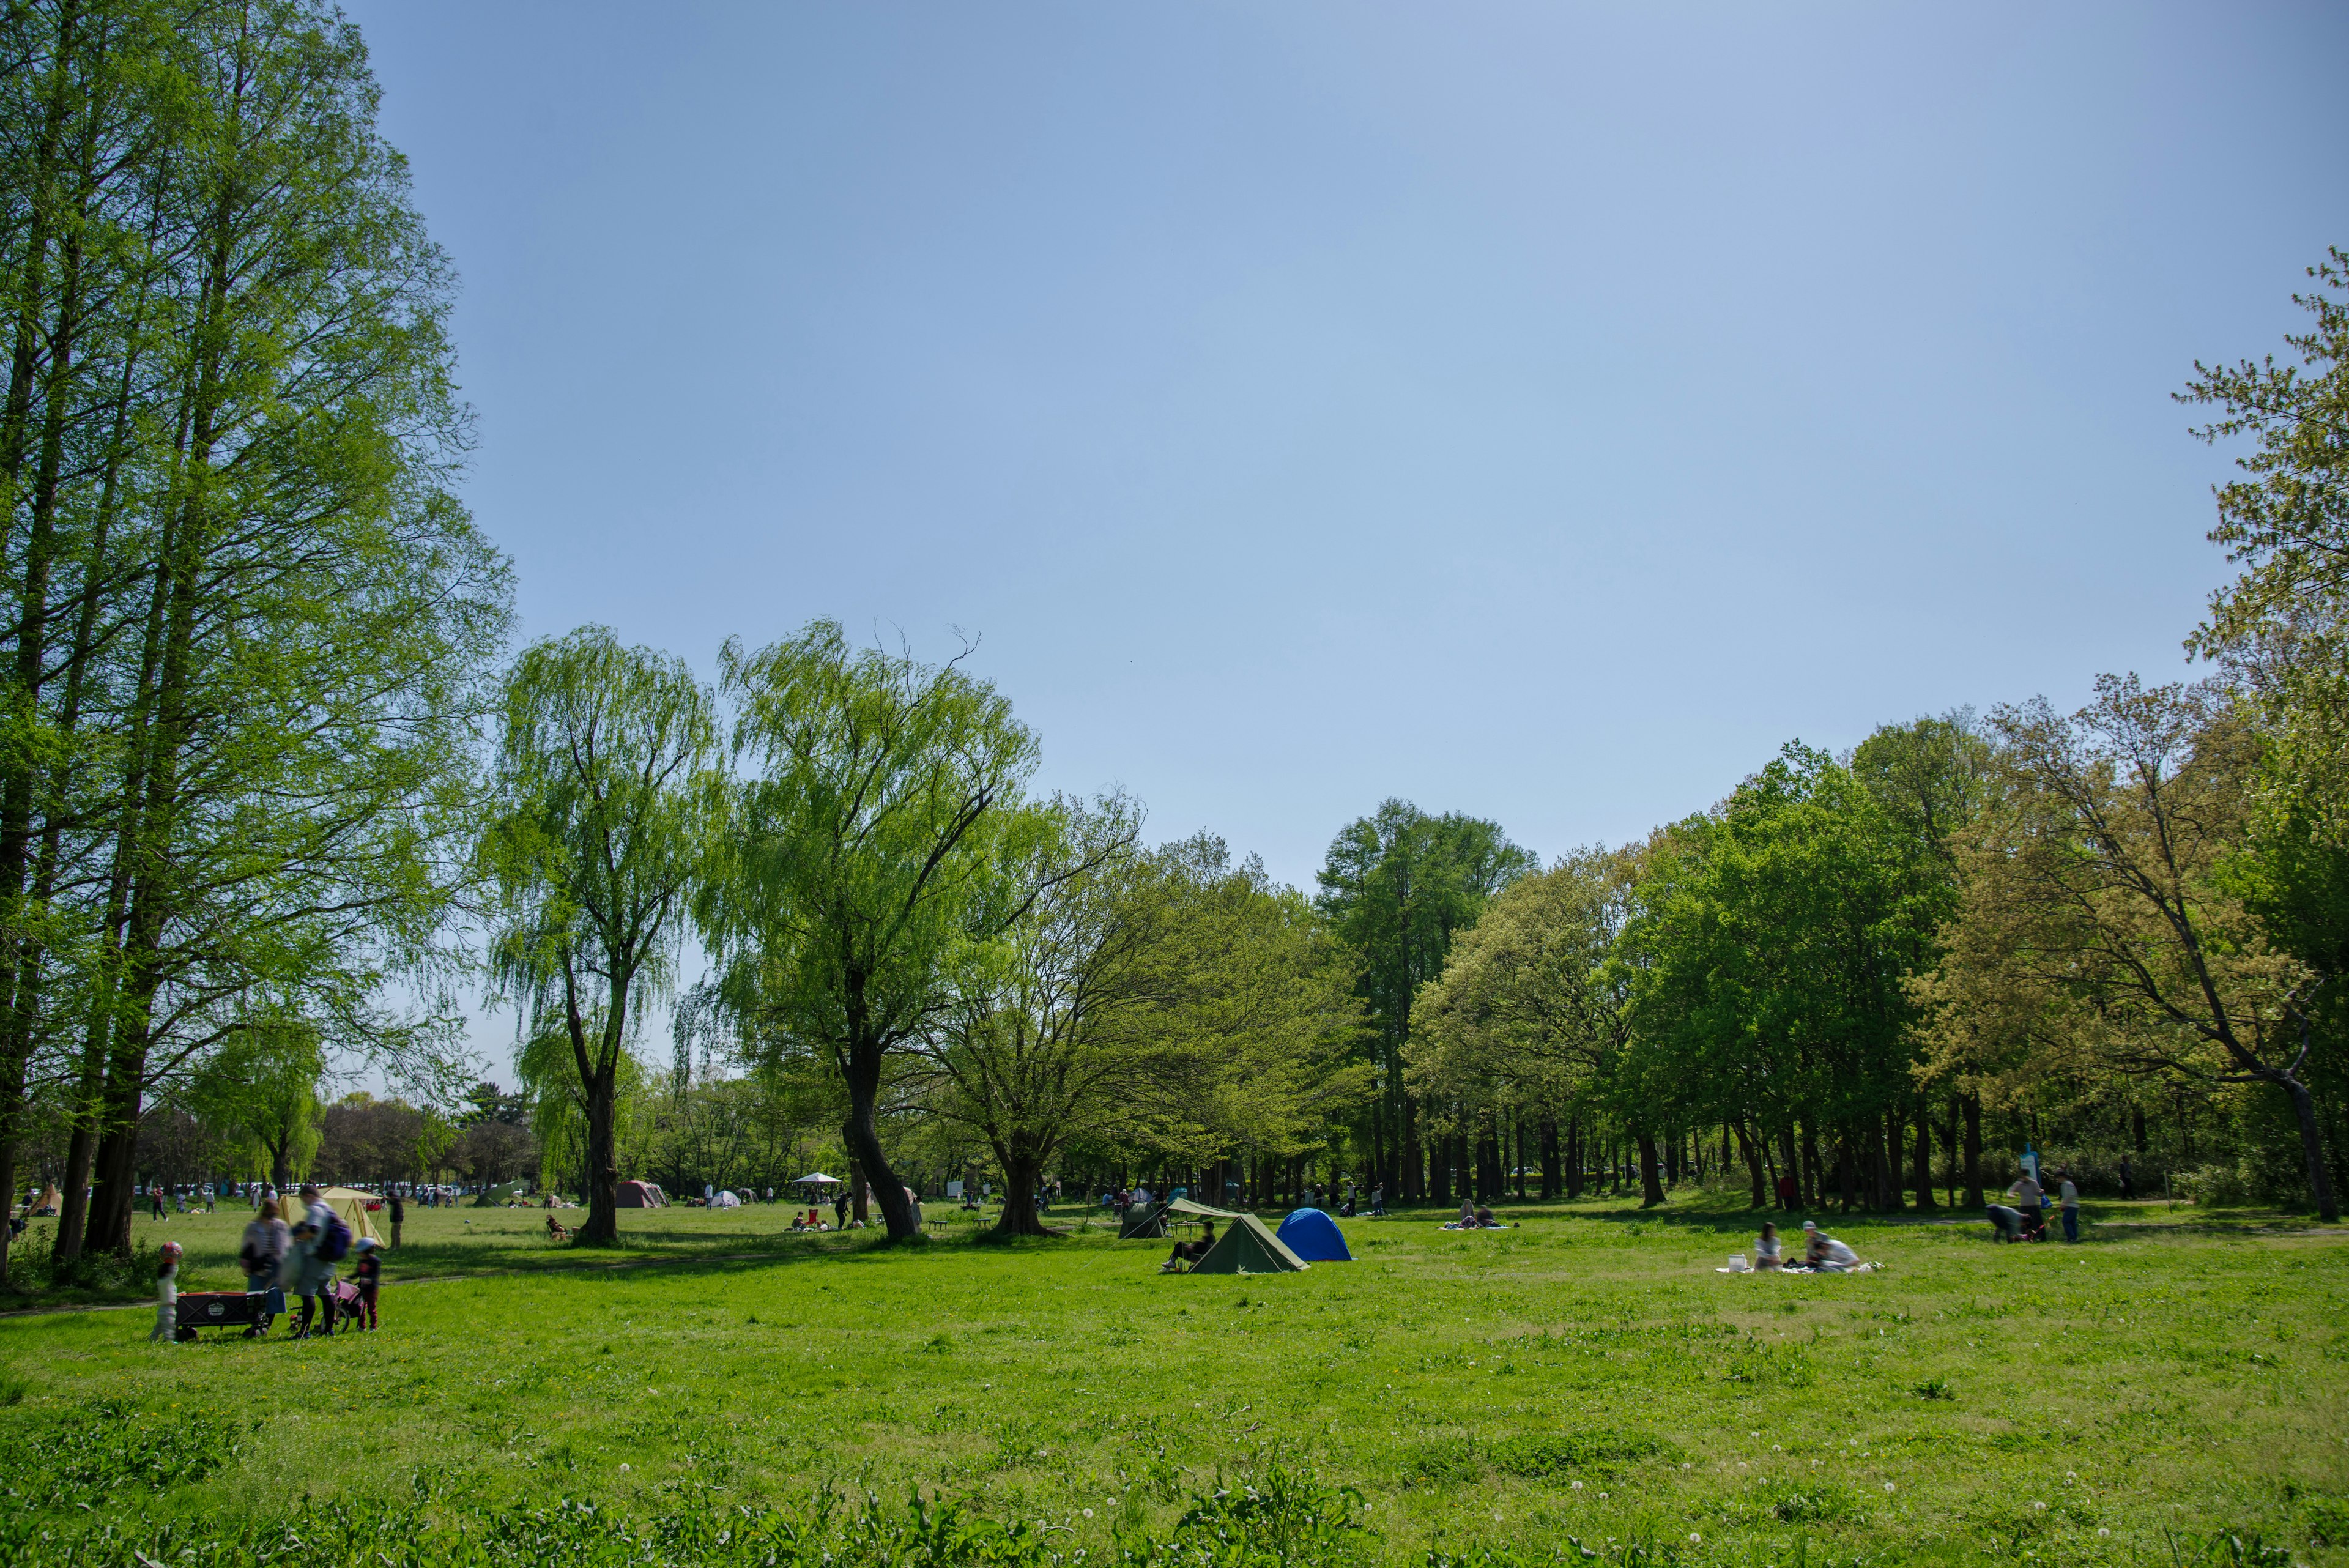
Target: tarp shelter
[(642, 1195), (503, 1193), (48, 1202), (1248, 1248), (1146, 1221), (1313, 1236), (352, 1205), (819, 1179)]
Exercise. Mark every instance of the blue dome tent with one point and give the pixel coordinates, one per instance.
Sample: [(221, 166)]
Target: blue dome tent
[(1314, 1237)]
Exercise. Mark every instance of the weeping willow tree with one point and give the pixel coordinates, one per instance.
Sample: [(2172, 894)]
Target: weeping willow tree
[(607, 797), (262, 1090), (562, 1111)]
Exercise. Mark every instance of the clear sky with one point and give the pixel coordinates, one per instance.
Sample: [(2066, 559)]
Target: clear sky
[(1539, 410)]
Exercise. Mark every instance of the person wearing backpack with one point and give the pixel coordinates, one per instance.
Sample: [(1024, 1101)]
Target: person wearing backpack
[(319, 1243)]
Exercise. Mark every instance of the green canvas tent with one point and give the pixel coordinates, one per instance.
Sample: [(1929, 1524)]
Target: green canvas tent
[(1248, 1248)]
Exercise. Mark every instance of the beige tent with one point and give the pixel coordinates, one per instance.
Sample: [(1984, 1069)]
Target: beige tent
[(48, 1202), (352, 1205)]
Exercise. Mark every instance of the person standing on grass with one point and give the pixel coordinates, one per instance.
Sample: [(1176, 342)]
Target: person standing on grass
[(2031, 1198), (2069, 1197), (399, 1213), (315, 1276), (167, 1297), (2129, 1179)]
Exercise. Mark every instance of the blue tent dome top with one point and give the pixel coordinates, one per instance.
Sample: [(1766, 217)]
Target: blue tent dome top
[(1313, 1236)]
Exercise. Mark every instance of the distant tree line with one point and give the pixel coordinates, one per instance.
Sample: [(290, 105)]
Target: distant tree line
[(265, 764)]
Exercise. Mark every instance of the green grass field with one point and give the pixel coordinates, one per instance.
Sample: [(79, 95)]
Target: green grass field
[(2176, 1388)]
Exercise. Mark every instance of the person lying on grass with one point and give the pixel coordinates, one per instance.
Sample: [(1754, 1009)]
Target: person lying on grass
[(1190, 1251), (1824, 1252)]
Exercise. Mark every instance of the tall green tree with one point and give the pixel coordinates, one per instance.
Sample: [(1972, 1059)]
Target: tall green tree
[(2104, 927), (1530, 1011), (2282, 629), (609, 801), (880, 830), (1768, 964), (246, 624), (1035, 1047), (1396, 887)]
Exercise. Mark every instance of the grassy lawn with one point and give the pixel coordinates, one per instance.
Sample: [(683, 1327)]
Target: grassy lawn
[(2176, 1379)]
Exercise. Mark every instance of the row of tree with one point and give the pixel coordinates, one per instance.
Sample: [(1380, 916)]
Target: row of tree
[(246, 628), (265, 765)]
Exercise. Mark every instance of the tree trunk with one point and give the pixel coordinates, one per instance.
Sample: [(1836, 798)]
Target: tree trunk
[(1021, 1171), (1574, 1153), (1652, 1191), (1921, 1168), (1972, 1107), (1791, 1160), (1552, 1173), (1750, 1147), (602, 1175), (2312, 1147)]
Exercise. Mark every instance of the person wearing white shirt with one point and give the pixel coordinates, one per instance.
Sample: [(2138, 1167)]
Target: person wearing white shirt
[(2068, 1196), (1824, 1252)]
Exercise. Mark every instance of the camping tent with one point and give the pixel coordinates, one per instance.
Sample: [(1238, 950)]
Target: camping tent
[(1313, 1236), (1248, 1248), (642, 1195), (352, 1205), (817, 1178), (722, 1198), (505, 1194)]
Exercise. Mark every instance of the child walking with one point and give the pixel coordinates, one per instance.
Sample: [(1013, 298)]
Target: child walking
[(368, 1274), (167, 1297)]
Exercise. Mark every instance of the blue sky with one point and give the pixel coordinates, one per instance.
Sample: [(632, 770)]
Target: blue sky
[(1538, 410)]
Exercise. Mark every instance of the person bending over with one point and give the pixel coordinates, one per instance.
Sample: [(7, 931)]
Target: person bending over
[(1190, 1251), (1824, 1252)]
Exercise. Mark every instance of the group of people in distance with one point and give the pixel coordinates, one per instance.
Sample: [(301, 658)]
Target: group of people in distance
[(2026, 1220)]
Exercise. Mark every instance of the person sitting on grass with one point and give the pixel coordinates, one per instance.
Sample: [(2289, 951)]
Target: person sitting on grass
[(556, 1230), (1190, 1251), (1824, 1252), (1766, 1250)]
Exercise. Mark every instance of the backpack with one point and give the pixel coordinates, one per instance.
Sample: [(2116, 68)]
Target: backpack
[(336, 1244)]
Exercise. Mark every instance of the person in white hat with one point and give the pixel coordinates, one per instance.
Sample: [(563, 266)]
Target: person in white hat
[(1824, 1252)]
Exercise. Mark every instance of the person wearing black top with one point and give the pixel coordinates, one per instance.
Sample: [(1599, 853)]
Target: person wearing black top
[(399, 1212)]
